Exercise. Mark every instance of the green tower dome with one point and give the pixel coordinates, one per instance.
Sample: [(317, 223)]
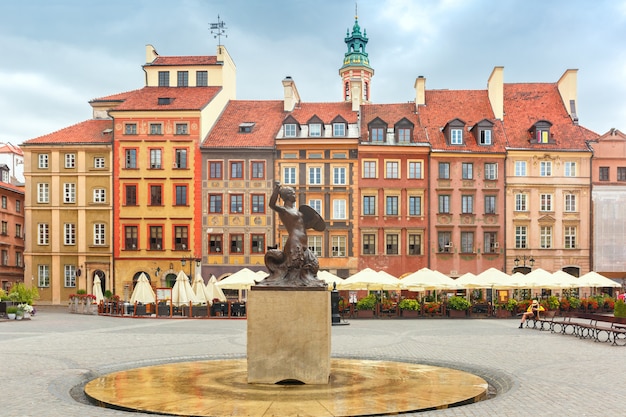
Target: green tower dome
[(356, 42)]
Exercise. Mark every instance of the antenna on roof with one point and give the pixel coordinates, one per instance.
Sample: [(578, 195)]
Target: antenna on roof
[(218, 30)]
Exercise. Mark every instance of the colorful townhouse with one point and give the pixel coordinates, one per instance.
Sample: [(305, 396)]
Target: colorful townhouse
[(11, 231)]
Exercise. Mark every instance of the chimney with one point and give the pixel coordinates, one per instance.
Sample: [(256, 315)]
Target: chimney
[(292, 98), (567, 89), (420, 91), (495, 89), (356, 93), (151, 54)]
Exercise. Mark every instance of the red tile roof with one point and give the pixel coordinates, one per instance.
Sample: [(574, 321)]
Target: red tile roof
[(115, 97), (11, 187), (325, 111), (184, 98), (527, 103), (183, 60), (392, 114), (267, 117), (471, 106), (87, 132), (10, 148)]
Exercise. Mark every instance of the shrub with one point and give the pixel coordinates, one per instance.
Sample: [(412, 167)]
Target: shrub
[(620, 309), (21, 294), (366, 303), (553, 303), (574, 302), (511, 305), (458, 303), (432, 307), (409, 304)]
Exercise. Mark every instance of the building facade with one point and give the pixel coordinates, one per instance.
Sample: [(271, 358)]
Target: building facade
[(11, 232)]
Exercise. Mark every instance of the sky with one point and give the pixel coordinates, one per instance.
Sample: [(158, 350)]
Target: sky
[(56, 56)]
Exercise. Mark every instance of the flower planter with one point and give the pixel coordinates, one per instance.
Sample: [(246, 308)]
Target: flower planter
[(11, 316), (409, 313), (503, 314), (365, 314), (457, 314)]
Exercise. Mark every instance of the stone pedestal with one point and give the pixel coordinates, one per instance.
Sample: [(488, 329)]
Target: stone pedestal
[(288, 334)]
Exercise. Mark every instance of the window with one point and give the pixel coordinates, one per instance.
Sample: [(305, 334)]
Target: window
[(43, 193), (315, 129), (456, 136), (369, 169), (415, 245), (98, 162), (378, 134), (19, 259), (391, 244), (369, 205), (69, 192), (339, 246), (339, 209), (467, 204), (415, 170), (391, 206), (316, 205), (570, 169), (236, 243), (258, 169), (202, 78), (164, 78), (392, 169), (415, 206), (444, 240), (369, 244), (467, 170), (155, 195), (70, 160), (4, 202), (215, 243), (215, 203), (467, 242), (181, 195), (545, 168), (69, 234), (43, 161), (18, 231), (404, 135), (570, 237), (315, 175), (180, 158), (258, 203), (5, 228), (290, 130), (131, 158), (130, 238), (491, 171), (155, 159), (99, 234), (289, 175), (69, 273), (130, 129), (339, 176), (181, 129), (215, 170), (18, 206), (520, 202), (485, 137), (5, 257), (490, 241), (181, 237), (444, 204), (521, 236), (570, 203), (545, 202), (520, 168), (130, 195), (183, 78), (444, 170), (257, 243), (339, 129), (236, 170), (156, 129), (545, 234), (315, 245), (236, 203), (490, 204), (543, 136), (621, 173), (100, 195), (604, 173), (156, 237), (43, 275)]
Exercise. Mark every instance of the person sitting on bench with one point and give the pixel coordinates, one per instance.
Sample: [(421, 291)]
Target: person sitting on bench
[(532, 312)]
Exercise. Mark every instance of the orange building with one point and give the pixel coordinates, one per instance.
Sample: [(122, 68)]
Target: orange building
[(11, 232)]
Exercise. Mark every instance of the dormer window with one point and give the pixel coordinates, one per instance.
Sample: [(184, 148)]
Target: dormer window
[(404, 131), (456, 136), (290, 127), (164, 101), (483, 132), (485, 137), (246, 127), (315, 129), (377, 130), (339, 126), (453, 131), (540, 132)]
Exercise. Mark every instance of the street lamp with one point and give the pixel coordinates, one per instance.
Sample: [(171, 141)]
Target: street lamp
[(190, 258), (524, 269)]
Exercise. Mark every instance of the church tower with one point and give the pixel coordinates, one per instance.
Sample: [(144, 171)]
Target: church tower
[(356, 73)]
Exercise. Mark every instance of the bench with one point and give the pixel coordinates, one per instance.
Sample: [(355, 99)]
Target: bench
[(543, 320), (598, 327)]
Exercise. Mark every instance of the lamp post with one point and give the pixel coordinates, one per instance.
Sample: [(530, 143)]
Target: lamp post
[(190, 258), (523, 269)]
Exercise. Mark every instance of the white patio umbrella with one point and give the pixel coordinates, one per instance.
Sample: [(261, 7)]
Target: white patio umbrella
[(329, 278), (495, 279), (538, 278), (182, 293), (368, 279), (561, 279), (97, 289), (594, 280), (200, 289), (427, 279), (468, 281), (240, 280), (213, 291), (143, 292)]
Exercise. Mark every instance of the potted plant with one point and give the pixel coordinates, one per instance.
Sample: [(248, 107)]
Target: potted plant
[(366, 306), (553, 303), (11, 312), (458, 306), (409, 307), (432, 308), (26, 310)]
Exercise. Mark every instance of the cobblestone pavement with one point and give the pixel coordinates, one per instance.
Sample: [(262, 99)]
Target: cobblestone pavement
[(45, 360)]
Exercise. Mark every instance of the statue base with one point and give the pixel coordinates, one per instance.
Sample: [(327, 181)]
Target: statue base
[(288, 335)]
